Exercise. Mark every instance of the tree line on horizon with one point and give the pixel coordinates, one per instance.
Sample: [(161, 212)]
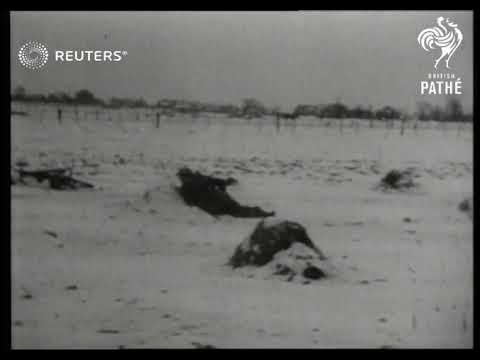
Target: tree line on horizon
[(253, 108)]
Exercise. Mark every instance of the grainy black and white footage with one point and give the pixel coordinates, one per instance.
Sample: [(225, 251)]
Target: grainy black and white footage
[(240, 180)]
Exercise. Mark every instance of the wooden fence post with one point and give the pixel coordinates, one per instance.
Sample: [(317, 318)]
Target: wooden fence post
[(59, 116)]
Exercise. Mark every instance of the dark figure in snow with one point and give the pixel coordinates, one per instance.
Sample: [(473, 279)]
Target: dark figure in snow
[(58, 179), (209, 194), (59, 115)]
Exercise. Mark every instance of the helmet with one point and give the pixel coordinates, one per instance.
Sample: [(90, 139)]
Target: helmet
[(184, 172)]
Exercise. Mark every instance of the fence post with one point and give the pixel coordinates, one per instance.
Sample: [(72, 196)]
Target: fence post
[(59, 116), (357, 125)]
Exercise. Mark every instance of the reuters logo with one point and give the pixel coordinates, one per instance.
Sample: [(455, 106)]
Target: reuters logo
[(33, 55)]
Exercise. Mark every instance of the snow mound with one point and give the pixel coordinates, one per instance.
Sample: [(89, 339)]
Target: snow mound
[(272, 222), (280, 248), (297, 264)]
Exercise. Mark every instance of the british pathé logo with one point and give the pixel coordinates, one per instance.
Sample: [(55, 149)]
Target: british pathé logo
[(445, 37), (441, 84), (443, 40)]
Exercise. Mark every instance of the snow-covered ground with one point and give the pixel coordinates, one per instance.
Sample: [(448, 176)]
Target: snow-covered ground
[(129, 265)]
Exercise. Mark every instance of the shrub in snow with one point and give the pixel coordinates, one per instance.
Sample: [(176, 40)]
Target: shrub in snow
[(467, 206), (397, 180)]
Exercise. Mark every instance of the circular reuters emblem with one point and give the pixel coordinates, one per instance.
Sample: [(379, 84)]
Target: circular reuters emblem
[(33, 55)]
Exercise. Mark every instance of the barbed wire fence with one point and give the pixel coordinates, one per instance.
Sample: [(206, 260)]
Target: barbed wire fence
[(158, 118)]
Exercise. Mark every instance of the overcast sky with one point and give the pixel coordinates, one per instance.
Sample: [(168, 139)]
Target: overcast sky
[(281, 58)]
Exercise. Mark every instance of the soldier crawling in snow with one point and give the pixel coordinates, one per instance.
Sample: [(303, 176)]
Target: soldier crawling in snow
[(209, 194)]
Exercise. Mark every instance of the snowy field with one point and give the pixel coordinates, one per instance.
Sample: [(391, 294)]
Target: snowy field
[(128, 265)]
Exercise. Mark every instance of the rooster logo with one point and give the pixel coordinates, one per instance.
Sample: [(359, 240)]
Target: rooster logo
[(447, 39)]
